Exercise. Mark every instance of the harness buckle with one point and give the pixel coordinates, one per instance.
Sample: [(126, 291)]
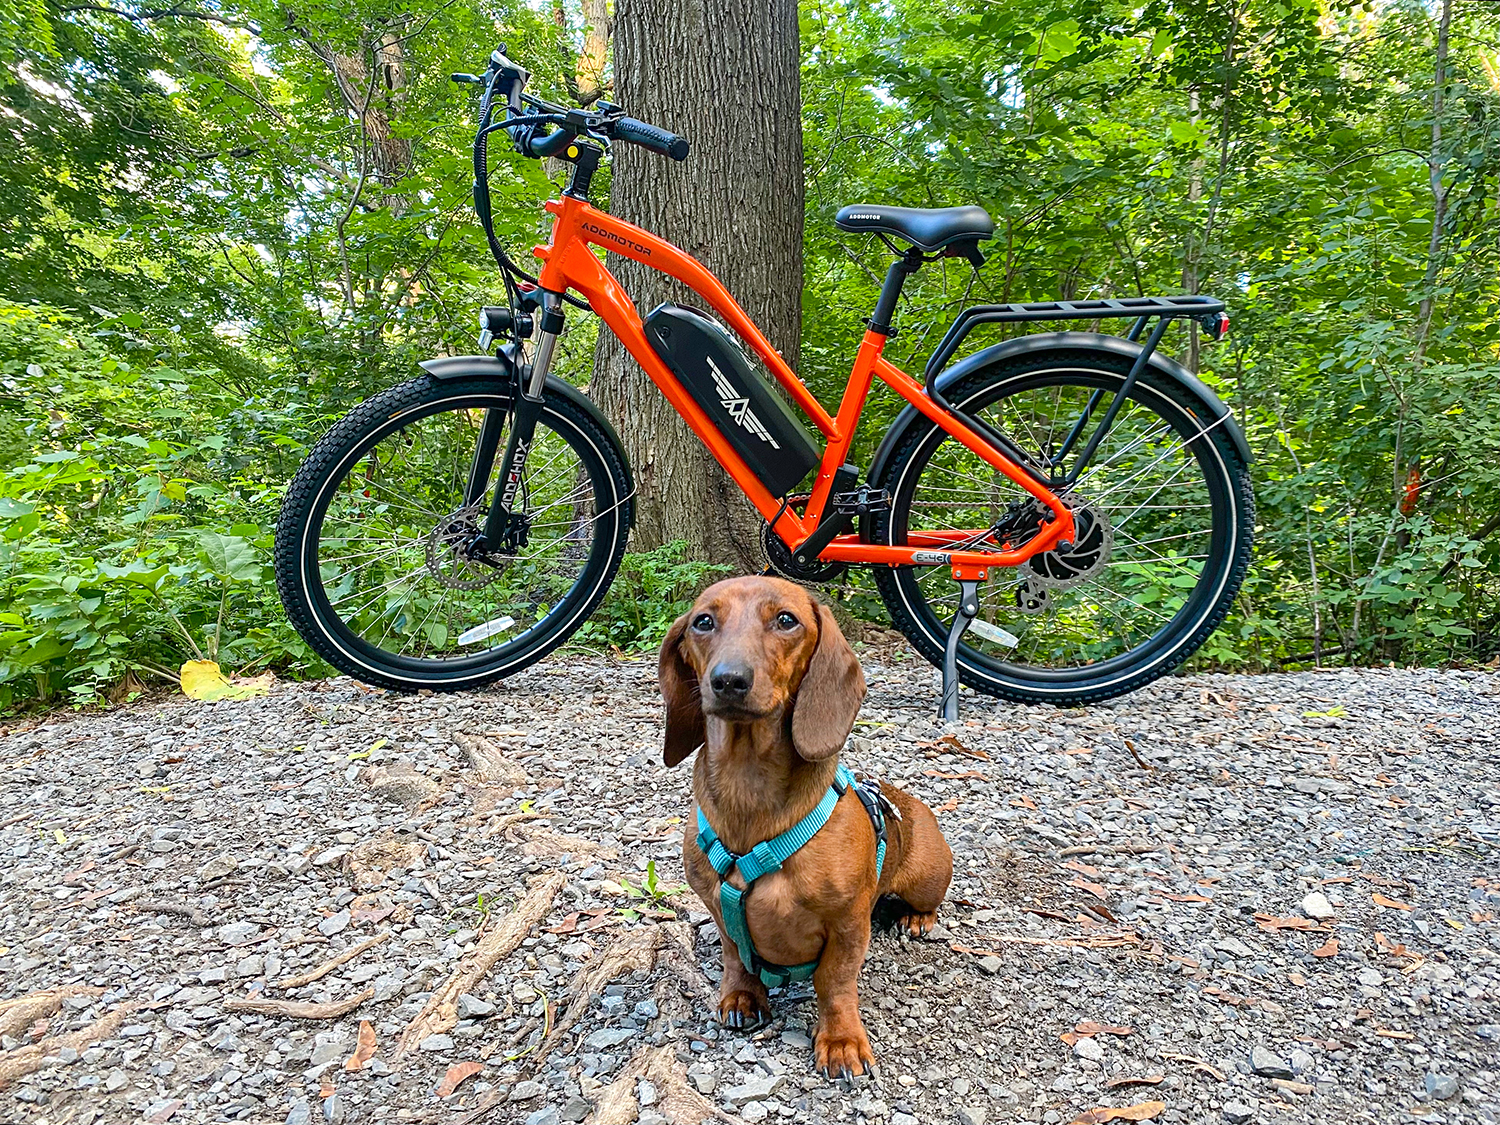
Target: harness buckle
[(764, 860)]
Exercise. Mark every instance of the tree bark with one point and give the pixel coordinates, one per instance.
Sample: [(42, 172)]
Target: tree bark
[(724, 74)]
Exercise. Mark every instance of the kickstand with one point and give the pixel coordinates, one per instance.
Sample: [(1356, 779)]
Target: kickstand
[(968, 609)]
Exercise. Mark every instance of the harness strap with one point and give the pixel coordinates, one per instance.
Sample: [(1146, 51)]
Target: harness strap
[(768, 856)]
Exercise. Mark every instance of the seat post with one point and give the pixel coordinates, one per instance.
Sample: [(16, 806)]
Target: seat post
[(890, 292)]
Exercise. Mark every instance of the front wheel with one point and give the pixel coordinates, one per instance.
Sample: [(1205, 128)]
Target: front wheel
[(372, 558), (1164, 511)]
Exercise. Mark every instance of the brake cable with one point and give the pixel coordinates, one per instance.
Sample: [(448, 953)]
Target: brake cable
[(509, 271)]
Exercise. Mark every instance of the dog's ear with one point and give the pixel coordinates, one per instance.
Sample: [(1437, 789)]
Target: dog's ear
[(679, 691), (830, 696)]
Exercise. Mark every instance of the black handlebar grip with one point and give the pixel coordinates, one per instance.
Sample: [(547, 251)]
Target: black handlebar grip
[(649, 136)]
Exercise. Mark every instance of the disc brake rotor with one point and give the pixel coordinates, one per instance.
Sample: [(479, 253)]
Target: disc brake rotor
[(1087, 557), (446, 544)]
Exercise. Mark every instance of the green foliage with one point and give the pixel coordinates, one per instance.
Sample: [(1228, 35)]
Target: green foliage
[(650, 893), (651, 591), (1288, 157)]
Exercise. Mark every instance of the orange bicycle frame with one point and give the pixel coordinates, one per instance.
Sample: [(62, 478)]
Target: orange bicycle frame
[(569, 262)]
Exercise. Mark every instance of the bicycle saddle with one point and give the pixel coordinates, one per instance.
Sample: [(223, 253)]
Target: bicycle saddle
[(926, 228)]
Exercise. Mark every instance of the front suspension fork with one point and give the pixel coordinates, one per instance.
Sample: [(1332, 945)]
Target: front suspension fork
[(529, 400)]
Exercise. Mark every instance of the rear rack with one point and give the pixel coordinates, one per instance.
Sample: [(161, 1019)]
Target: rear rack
[(1102, 308), (1207, 311)]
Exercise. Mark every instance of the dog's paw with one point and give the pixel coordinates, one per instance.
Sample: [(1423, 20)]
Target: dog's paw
[(916, 924), (844, 1055), (742, 1010)]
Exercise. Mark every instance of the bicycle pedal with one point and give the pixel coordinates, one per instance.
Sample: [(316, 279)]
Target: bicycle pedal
[(862, 501)]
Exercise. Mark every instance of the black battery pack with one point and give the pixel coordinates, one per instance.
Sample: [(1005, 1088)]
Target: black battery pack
[(708, 361)]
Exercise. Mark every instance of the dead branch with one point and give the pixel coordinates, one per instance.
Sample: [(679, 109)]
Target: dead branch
[(297, 1010), (441, 1011), (333, 962)]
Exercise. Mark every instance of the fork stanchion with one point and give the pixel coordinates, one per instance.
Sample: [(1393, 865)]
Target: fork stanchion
[(968, 609)]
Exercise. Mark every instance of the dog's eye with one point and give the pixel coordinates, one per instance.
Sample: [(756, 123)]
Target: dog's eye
[(786, 620), (704, 623)]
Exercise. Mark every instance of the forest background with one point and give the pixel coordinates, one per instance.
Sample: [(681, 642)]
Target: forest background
[(223, 224)]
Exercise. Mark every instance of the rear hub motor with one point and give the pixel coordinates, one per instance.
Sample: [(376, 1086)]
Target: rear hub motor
[(1086, 558)]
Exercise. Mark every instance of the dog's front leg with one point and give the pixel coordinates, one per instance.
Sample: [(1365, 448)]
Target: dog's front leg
[(743, 999), (840, 1046)]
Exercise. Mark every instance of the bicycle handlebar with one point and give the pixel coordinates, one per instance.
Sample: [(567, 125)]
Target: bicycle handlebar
[(547, 130), (650, 136), (505, 79)]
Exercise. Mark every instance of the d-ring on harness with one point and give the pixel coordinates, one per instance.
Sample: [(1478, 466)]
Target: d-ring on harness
[(768, 856)]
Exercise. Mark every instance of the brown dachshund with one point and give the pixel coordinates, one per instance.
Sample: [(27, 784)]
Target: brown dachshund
[(758, 674)]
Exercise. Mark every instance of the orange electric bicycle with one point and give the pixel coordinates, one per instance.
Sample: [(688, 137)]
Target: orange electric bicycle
[(1060, 517)]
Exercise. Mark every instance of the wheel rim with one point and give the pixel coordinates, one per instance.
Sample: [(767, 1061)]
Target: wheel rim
[(381, 556), (1159, 485)]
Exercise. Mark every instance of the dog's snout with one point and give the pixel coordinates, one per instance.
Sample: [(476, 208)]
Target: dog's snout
[(732, 682)]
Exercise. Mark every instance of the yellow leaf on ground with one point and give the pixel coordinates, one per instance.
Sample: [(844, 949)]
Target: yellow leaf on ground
[(202, 679)]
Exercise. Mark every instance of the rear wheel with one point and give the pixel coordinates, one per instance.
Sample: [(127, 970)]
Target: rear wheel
[(371, 558), (1164, 513)]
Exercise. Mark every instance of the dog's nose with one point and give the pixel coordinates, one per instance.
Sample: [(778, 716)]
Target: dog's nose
[(731, 681)]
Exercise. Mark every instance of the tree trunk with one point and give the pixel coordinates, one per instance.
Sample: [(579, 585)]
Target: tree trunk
[(724, 74)]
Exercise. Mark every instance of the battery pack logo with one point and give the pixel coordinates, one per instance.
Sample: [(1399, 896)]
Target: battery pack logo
[(738, 405)]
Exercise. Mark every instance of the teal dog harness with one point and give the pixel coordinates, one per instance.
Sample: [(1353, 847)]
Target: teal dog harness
[(768, 856)]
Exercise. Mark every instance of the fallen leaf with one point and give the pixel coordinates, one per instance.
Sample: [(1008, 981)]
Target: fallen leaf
[(1271, 923), (457, 1074), (947, 806), (327, 1089), (1095, 889), (1022, 802), (1082, 868), (1143, 1080), (1040, 912), (1394, 904), (365, 1050), (370, 908), (1089, 1027), (1143, 1111), (202, 679), (1183, 898), (1297, 978), (1329, 948), (952, 741)]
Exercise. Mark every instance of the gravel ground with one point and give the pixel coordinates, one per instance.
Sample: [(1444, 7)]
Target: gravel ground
[(1283, 910)]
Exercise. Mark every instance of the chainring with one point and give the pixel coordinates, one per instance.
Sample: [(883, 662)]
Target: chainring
[(1087, 557), (446, 543), (783, 563)]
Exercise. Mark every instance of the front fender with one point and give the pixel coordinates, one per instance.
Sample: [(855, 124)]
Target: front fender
[(502, 369), (1210, 404)]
